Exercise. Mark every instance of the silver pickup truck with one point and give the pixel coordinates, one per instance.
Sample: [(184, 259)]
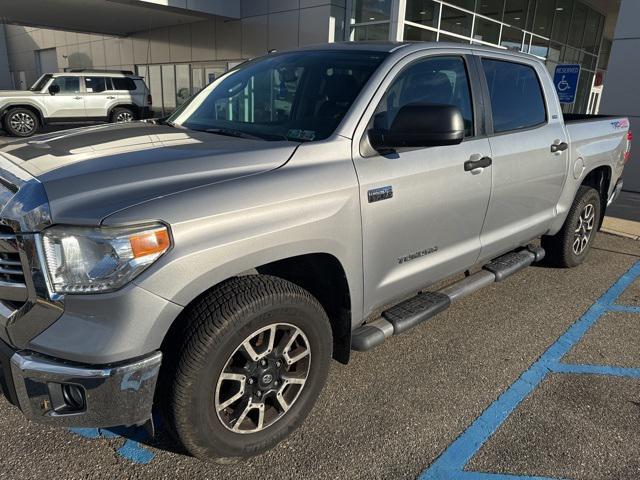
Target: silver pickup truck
[(208, 266)]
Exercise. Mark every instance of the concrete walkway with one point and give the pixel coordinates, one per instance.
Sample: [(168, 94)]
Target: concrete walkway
[(623, 217)]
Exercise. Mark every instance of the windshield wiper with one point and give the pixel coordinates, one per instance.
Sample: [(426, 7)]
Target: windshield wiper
[(230, 132)]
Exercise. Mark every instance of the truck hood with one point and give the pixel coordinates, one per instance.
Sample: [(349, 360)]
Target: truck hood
[(17, 93), (90, 173)]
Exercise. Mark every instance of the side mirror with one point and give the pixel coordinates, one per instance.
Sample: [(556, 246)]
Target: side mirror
[(421, 125), (53, 89)]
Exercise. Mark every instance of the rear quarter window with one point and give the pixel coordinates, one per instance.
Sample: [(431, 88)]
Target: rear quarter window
[(123, 83), (517, 101)]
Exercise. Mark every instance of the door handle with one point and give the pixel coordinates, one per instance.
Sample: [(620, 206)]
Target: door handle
[(77, 98), (559, 147), (484, 162), (111, 98)]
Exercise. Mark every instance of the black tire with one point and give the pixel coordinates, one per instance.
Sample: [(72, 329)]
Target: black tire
[(122, 115), (561, 248), (21, 122), (216, 326)]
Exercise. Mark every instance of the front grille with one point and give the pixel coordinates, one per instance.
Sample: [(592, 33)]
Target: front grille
[(13, 290)]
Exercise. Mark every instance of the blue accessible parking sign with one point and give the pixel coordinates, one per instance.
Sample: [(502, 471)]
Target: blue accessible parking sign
[(566, 81)]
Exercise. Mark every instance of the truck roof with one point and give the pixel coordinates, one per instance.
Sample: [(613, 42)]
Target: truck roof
[(390, 47)]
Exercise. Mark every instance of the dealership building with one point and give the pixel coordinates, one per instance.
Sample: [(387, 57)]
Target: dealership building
[(181, 45)]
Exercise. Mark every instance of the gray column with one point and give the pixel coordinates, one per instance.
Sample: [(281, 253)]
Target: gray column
[(621, 95), (5, 76)]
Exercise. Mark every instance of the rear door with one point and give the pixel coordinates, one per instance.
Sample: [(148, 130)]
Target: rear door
[(524, 122), (99, 96), (69, 102), (422, 213)]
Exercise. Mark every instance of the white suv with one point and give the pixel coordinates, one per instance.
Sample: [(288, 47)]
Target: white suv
[(77, 96)]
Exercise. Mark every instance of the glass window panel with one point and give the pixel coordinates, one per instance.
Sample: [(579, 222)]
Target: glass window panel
[(371, 10), (440, 81), (197, 79), (588, 61), (425, 12), (456, 21), (154, 81), (468, 4), (491, 8), (562, 20), (605, 52), (555, 52), (577, 24), (544, 17), (582, 94), (512, 38), (515, 12), (419, 34), (183, 84), (539, 46), (67, 84), (168, 87), (371, 32), (516, 95), (592, 33), (486, 30), (95, 84), (571, 55)]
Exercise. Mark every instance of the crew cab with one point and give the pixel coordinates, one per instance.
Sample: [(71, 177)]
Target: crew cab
[(77, 96), (306, 204)]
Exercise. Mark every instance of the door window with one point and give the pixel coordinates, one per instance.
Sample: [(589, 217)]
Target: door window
[(516, 95), (95, 84), (438, 81), (67, 84)]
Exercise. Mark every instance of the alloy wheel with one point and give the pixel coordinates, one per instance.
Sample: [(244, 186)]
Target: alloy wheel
[(124, 117), (23, 123), (263, 378), (582, 233)]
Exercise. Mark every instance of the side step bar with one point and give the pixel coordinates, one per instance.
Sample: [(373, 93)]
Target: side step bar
[(425, 305)]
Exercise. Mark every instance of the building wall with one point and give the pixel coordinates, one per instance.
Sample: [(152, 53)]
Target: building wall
[(621, 95), (5, 78), (265, 25)]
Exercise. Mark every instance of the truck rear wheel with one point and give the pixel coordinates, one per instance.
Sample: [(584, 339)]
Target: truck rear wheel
[(21, 122), (570, 246), (254, 358)]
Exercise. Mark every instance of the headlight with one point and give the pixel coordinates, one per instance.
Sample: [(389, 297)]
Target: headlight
[(91, 260)]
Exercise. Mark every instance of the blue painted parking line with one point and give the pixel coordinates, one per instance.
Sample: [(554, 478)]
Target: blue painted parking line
[(451, 464), (131, 450)]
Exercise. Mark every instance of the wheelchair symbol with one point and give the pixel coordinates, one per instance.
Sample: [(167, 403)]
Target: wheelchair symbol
[(563, 85)]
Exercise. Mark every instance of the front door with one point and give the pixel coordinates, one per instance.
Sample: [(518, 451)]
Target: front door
[(68, 103), (422, 213), (528, 175)]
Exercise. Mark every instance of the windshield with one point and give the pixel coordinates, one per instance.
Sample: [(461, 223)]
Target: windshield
[(40, 83), (300, 96)]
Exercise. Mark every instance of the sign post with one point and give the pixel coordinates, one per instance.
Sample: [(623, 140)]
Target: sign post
[(566, 81)]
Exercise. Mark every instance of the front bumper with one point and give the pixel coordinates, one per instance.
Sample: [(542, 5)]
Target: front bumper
[(116, 395)]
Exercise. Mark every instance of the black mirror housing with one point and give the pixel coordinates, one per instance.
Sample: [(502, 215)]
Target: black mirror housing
[(421, 125), (54, 89)]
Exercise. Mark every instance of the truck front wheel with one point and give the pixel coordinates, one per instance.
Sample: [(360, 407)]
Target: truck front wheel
[(570, 246), (254, 358)]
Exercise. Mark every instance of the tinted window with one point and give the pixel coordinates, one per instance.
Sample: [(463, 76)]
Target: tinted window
[(122, 83), (516, 96), (67, 84), (95, 84), (439, 81)]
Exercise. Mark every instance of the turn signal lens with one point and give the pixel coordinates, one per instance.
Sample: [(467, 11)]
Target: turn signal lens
[(150, 243)]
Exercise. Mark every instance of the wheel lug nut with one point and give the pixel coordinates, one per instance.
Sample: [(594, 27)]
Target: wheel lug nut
[(263, 362), (251, 381), (258, 394)]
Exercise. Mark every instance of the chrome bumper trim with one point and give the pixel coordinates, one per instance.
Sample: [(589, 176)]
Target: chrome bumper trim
[(115, 396)]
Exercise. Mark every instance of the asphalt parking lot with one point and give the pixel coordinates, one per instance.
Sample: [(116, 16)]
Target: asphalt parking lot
[(411, 407)]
